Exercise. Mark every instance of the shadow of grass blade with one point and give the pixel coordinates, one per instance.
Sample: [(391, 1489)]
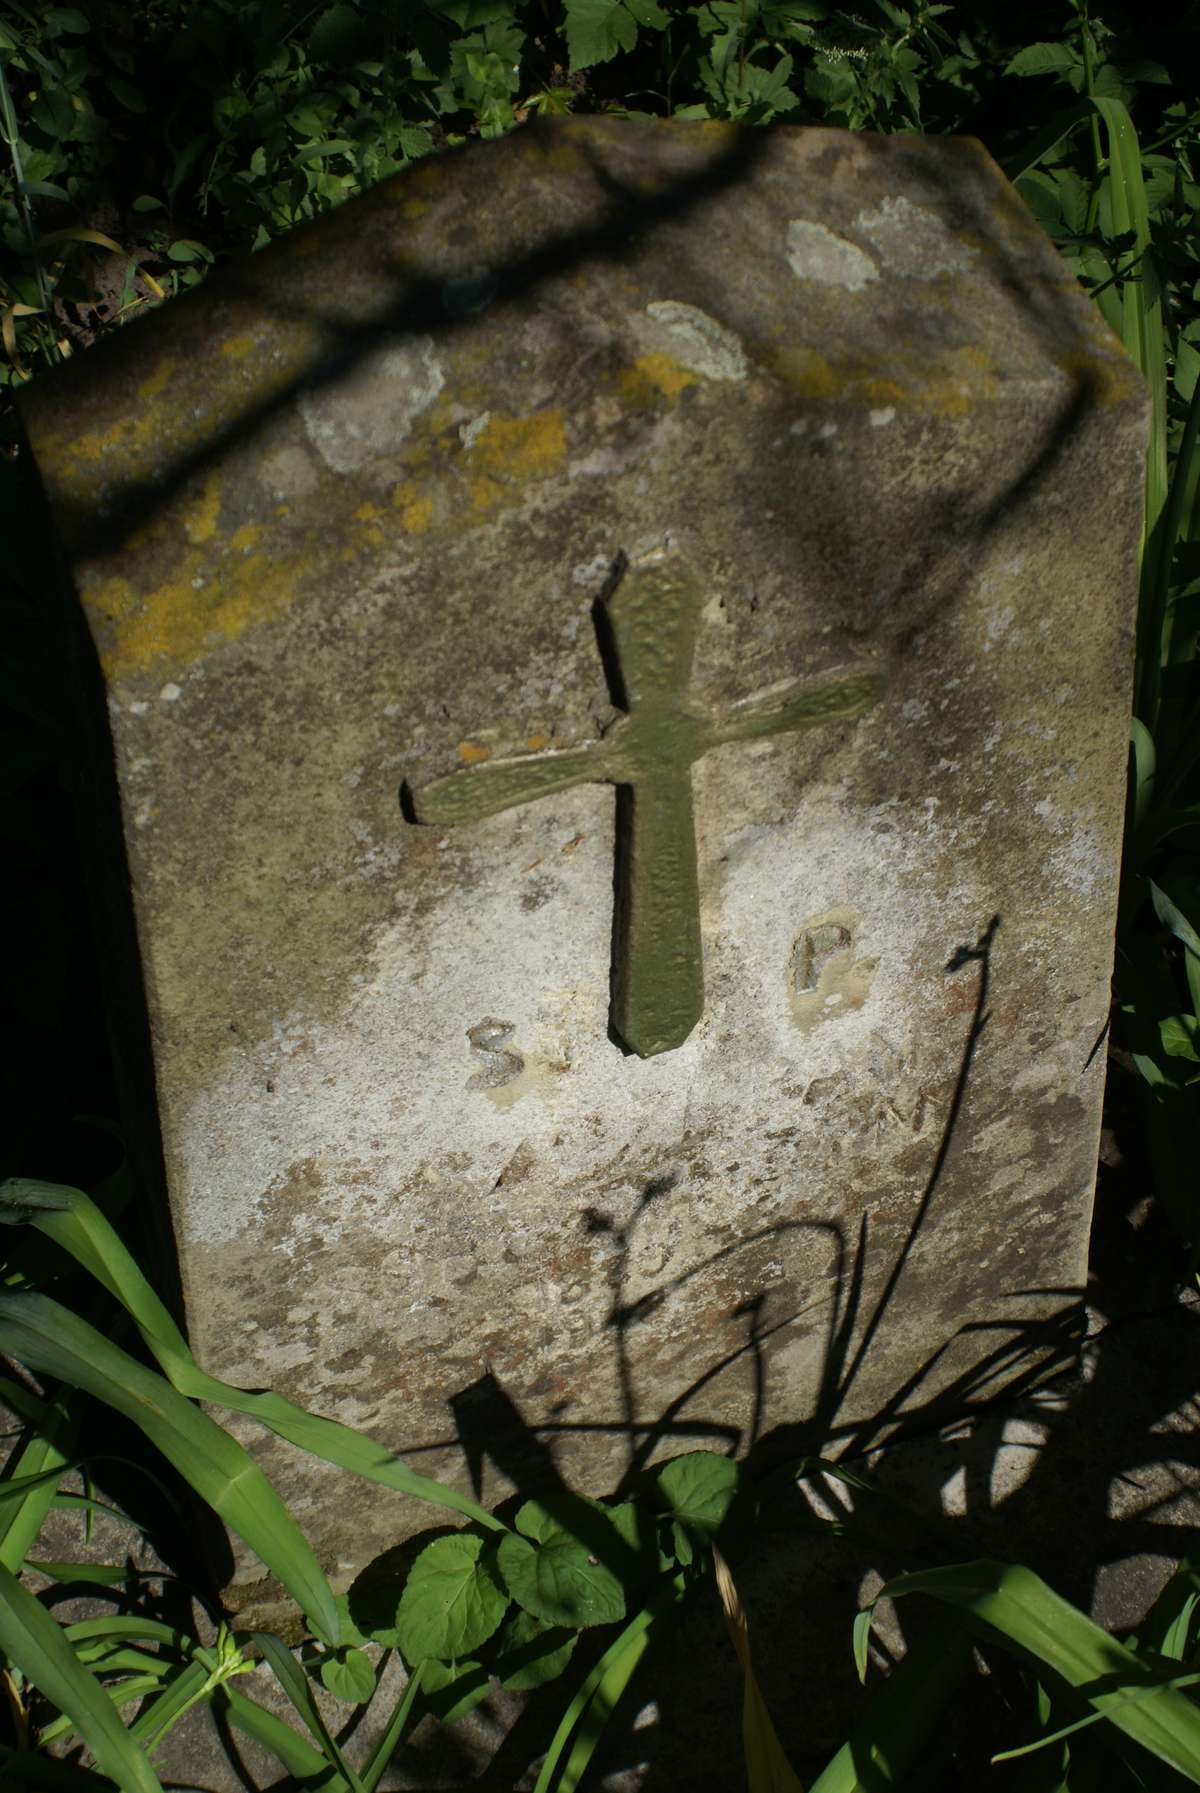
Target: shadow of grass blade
[(1017, 1607), (888, 1739), (52, 1341), (74, 1222), (33, 1639)]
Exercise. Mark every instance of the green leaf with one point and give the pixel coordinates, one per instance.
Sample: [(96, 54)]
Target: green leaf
[(349, 1676), (336, 36), (596, 30), (452, 1689), (1180, 1036), (44, 190), (184, 249), (529, 1652), (46, 1338), (1173, 918), (130, 96), (1043, 59), (35, 1642), (68, 18), (451, 1602), (553, 1572), (649, 13), (700, 1489), (146, 202), (54, 112)]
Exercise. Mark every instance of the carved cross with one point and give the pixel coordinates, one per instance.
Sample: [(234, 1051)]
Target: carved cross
[(658, 966)]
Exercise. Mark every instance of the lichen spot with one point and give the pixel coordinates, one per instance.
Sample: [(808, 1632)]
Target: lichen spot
[(366, 513), (202, 513), (814, 252), (416, 511), (151, 387), (245, 537), (913, 241), (238, 347), (473, 753), (652, 378), (699, 341), (516, 449)]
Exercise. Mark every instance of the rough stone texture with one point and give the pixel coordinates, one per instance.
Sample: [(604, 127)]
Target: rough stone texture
[(339, 519)]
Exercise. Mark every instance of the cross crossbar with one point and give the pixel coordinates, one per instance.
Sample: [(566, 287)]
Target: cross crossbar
[(658, 963)]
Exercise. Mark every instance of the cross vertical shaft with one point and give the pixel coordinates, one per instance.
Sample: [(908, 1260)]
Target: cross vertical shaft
[(658, 966)]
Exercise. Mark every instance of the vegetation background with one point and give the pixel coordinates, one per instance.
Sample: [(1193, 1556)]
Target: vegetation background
[(145, 140)]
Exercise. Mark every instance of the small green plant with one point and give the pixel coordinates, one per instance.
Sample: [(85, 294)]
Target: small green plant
[(490, 1599)]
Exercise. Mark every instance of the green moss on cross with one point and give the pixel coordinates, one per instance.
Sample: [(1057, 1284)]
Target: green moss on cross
[(658, 983)]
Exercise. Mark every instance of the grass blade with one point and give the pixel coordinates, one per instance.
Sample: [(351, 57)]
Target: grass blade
[(1142, 331), (38, 1465), (890, 1736), (296, 1685), (298, 1756), (381, 1755), (1013, 1602), (767, 1767), (75, 1223), (32, 1639), (668, 1600), (40, 1333)]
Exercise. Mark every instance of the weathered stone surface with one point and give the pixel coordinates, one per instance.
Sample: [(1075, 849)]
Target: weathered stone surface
[(340, 519)]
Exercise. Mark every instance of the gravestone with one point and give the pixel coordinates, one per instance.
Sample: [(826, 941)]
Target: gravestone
[(726, 541)]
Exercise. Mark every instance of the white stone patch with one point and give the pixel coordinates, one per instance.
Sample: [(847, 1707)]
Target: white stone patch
[(171, 693), (698, 341), (364, 413), (469, 431), (913, 241), (814, 252), (288, 473), (877, 419)]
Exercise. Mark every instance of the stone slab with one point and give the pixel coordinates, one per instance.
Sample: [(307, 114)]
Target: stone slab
[(342, 518)]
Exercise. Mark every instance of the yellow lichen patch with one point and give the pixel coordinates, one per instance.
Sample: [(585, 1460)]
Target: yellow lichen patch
[(245, 537), (201, 514), (416, 512), (209, 600), (809, 372), (486, 493), (654, 377), (880, 392), (238, 347), (473, 752), (516, 449), (150, 388), (375, 535), (536, 742), (283, 510), (366, 513), (413, 208), (566, 159)]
